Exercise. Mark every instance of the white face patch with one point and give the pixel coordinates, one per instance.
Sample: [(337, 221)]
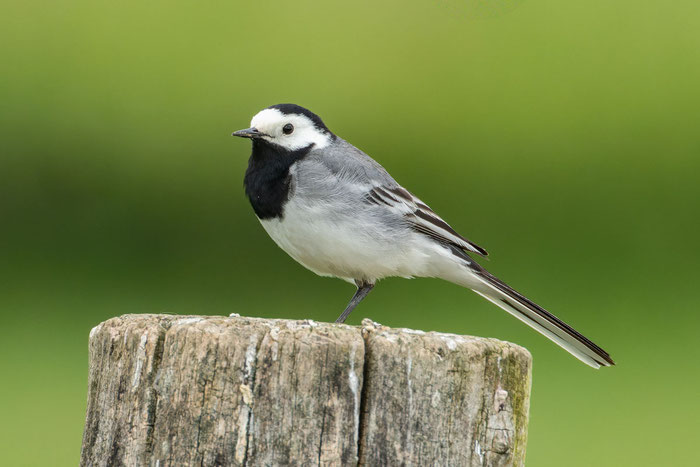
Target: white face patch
[(272, 121)]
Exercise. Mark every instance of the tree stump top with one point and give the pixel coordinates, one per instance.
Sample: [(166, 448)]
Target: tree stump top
[(185, 390)]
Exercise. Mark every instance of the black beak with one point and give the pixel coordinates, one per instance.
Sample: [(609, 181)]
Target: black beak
[(248, 133)]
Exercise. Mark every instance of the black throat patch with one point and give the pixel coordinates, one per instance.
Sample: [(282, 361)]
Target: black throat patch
[(267, 179)]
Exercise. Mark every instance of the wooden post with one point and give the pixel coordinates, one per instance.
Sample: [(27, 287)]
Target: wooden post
[(177, 391)]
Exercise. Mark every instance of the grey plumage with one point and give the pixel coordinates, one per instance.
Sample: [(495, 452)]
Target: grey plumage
[(339, 213)]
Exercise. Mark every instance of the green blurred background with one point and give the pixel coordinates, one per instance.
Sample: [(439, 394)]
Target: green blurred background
[(563, 137)]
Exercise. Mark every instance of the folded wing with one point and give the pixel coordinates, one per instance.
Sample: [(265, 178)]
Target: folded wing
[(420, 216)]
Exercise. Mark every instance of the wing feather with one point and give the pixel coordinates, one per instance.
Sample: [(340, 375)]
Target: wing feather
[(420, 216)]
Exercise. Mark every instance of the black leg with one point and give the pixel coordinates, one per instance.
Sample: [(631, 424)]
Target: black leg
[(362, 290)]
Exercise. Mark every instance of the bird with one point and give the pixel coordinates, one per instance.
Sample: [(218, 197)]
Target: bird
[(339, 213)]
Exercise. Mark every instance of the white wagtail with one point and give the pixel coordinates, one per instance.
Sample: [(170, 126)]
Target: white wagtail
[(339, 213)]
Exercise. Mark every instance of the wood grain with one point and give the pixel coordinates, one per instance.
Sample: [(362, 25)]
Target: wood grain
[(192, 390)]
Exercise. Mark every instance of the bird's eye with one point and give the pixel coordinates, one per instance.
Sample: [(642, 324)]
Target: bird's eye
[(288, 129)]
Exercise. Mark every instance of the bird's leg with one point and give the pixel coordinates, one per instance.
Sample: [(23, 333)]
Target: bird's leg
[(363, 288)]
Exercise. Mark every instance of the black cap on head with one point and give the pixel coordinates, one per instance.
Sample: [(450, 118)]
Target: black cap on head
[(290, 109)]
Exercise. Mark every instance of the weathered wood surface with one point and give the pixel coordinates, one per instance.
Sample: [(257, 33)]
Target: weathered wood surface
[(179, 391)]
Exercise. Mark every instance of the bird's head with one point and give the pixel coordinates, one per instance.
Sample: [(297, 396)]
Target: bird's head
[(288, 126)]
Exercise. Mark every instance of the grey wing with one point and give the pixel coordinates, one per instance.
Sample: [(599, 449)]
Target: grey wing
[(379, 188), (420, 217)]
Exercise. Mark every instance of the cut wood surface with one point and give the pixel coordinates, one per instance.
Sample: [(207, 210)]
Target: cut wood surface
[(190, 390)]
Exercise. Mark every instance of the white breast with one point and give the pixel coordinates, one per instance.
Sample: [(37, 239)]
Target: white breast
[(333, 244)]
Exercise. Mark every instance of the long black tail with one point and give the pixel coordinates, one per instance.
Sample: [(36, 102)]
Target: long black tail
[(499, 293)]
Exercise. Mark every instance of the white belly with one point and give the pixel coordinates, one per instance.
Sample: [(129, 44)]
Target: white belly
[(344, 247)]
